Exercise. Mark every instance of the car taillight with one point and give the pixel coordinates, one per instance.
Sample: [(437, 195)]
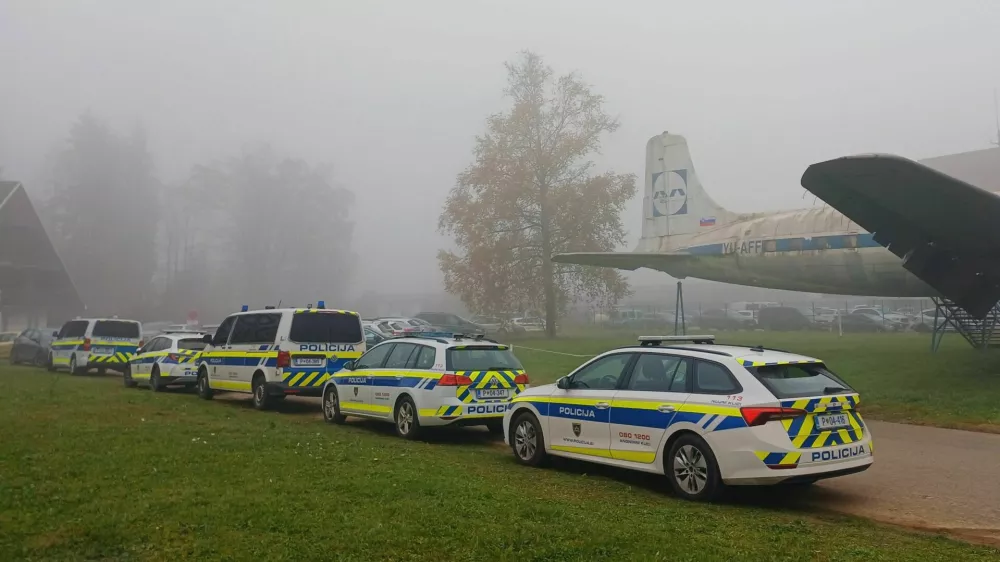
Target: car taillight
[(521, 379), (284, 359), (86, 344), (761, 415), (451, 379)]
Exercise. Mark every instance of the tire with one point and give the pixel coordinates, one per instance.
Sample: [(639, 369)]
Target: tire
[(154, 380), (692, 469), (405, 419), (331, 406), (527, 441), (39, 360), (495, 427), (51, 365), (12, 358), (204, 390), (127, 377), (73, 368), (261, 400)]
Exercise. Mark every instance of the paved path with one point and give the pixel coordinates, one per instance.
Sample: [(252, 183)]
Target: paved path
[(924, 477)]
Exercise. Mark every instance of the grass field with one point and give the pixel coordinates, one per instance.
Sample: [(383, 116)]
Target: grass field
[(898, 377), (91, 470)]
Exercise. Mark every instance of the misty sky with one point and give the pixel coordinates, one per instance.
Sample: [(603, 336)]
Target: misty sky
[(392, 93)]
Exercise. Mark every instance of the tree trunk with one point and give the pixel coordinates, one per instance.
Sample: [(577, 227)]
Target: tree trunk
[(548, 275)]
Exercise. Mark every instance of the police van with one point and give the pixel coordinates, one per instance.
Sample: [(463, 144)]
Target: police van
[(95, 343), (273, 353), (428, 379), (704, 415)]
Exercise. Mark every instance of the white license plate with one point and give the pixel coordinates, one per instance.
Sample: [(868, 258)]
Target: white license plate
[(492, 393), (104, 351), (832, 421), (310, 362)]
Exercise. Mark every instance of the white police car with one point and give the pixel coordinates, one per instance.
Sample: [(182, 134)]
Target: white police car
[(273, 353), (705, 415), (170, 358), (95, 343), (430, 379)]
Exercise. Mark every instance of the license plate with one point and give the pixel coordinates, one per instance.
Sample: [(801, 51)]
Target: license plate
[(104, 351), (832, 421), (310, 361), (492, 393)]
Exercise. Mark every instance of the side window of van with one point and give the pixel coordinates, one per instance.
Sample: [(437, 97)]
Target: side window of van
[(222, 334), (73, 329)]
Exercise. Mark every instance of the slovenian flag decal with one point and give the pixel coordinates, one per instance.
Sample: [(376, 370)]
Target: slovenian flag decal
[(710, 221)]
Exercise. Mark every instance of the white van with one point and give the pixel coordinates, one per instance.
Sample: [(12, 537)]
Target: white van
[(95, 343), (273, 353)]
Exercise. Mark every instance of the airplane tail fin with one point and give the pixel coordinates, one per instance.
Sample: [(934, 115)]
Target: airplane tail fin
[(675, 204)]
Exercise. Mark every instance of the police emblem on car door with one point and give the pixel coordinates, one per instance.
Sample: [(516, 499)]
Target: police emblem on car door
[(576, 429)]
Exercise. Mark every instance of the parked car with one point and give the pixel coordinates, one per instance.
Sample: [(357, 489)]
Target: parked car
[(447, 322), (782, 318), (862, 323), (6, 342), (530, 324), (889, 323), (724, 319), (32, 346)]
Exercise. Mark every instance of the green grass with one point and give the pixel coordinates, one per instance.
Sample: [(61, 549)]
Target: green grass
[(91, 470), (898, 377)]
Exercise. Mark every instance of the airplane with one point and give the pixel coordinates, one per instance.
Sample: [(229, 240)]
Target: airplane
[(685, 233)]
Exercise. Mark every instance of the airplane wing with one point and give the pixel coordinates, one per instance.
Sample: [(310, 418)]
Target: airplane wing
[(674, 264), (946, 231)]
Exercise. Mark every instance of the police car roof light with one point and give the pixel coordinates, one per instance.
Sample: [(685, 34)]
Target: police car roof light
[(657, 340), (320, 304), (244, 308)]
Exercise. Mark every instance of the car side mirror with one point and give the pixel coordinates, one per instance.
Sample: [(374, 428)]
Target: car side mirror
[(563, 383), (349, 366), (207, 338), (55, 334)]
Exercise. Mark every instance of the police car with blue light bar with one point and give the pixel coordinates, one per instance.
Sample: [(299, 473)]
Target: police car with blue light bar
[(705, 415), (277, 352), (428, 379)]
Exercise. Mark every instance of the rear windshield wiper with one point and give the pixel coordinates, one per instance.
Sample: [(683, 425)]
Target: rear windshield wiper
[(834, 389)]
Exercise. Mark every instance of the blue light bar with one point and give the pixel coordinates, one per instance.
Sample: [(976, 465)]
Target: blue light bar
[(320, 304), (434, 334), (245, 308)]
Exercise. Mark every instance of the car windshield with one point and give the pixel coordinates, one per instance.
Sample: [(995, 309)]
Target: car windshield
[(800, 381), (481, 358), (325, 327), (196, 344), (116, 329)]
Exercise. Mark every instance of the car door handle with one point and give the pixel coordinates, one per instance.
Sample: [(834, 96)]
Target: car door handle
[(666, 409), (602, 405)]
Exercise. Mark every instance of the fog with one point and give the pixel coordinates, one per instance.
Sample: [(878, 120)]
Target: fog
[(391, 94)]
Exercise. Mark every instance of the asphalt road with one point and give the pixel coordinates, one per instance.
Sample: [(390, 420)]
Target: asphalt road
[(928, 478)]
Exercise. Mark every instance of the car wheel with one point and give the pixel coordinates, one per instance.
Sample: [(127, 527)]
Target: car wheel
[(405, 416), (495, 427), (204, 390), (73, 369), (693, 470), (526, 440), (51, 365), (154, 380), (331, 406), (261, 400), (127, 377), (39, 359)]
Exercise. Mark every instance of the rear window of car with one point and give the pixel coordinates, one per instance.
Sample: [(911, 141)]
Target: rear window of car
[(116, 329), (73, 329), (196, 344), (481, 358), (800, 381), (325, 327)]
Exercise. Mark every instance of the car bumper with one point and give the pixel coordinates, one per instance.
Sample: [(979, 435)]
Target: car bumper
[(464, 414), (768, 466), (281, 389)]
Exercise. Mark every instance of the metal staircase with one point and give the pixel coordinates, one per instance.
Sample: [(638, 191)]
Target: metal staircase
[(981, 334)]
